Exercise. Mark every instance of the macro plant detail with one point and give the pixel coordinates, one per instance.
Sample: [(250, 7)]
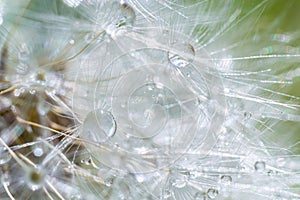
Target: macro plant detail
[(162, 99)]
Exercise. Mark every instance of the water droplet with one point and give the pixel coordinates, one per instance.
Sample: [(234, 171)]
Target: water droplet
[(182, 56), (108, 182), (179, 183), (99, 126), (127, 15), (212, 193), (89, 37), (35, 178), (247, 115), (72, 41), (43, 107), (139, 178), (38, 151), (4, 155), (226, 180), (260, 166), (148, 108)]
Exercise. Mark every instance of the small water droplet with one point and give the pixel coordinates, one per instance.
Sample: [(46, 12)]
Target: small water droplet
[(139, 178), (127, 15), (182, 56), (108, 182), (4, 155), (247, 115), (179, 183), (99, 126), (35, 178), (43, 107), (89, 37), (212, 193), (226, 180), (260, 166), (38, 151), (72, 41)]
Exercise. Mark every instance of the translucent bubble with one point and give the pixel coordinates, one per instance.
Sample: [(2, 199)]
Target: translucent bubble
[(35, 178), (127, 15), (38, 151), (181, 55), (212, 193), (148, 108), (179, 183), (99, 126), (43, 107), (89, 37), (226, 180), (260, 166), (72, 41), (139, 178), (4, 155)]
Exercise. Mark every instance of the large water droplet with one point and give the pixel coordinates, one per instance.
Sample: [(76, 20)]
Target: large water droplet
[(4, 155), (149, 107), (99, 126), (260, 166), (212, 193), (181, 54)]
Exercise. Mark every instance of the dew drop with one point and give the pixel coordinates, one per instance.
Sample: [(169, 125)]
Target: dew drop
[(89, 37), (226, 180), (108, 182), (4, 155), (260, 166), (179, 183), (182, 56), (127, 15), (99, 126), (212, 193), (43, 108), (72, 41), (38, 151), (139, 178), (35, 178), (247, 115)]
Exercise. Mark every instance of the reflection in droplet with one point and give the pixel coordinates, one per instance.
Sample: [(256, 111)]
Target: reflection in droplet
[(212, 193), (182, 56), (4, 155), (260, 166), (99, 126)]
